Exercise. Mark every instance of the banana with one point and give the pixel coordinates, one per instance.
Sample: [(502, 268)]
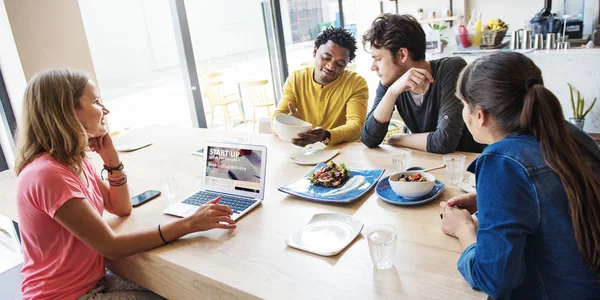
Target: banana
[(495, 24)]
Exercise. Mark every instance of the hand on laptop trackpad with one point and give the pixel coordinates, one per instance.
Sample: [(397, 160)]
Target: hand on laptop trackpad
[(182, 210)]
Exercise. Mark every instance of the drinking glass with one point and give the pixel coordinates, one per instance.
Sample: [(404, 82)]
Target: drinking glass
[(382, 245), (170, 185), (401, 159), (455, 167)]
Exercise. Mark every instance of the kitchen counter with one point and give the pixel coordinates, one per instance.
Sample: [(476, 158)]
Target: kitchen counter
[(579, 67)]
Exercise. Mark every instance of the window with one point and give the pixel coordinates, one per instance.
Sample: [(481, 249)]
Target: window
[(133, 47)]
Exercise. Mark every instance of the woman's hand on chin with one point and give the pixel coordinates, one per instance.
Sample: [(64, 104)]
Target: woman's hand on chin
[(103, 145)]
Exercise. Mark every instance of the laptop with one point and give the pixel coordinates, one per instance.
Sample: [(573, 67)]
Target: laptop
[(236, 172)]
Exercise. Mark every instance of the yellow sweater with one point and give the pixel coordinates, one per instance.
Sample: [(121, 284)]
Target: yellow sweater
[(340, 107)]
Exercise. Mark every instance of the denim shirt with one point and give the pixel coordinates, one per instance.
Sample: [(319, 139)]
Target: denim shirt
[(526, 246)]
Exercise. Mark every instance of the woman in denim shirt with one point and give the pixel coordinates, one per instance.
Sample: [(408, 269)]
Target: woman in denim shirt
[(536, 234)]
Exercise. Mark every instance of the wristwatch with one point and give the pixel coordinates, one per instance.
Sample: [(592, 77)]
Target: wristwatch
[(327, 136)]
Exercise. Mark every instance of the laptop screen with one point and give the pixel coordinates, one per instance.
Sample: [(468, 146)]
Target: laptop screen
[(234, 169)]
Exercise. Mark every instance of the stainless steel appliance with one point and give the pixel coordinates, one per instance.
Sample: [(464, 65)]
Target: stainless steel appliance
[(545, 22)]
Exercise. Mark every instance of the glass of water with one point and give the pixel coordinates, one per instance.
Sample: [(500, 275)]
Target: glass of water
[(170, 185), (382, 245), (401, 159), (455, 167)]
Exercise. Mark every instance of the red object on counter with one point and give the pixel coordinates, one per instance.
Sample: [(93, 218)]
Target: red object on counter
[(463, 34)]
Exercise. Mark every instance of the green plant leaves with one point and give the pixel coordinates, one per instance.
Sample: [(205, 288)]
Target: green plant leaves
[(579, 104)]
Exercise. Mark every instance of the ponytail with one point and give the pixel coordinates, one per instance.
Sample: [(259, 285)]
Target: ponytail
[(542, 116)]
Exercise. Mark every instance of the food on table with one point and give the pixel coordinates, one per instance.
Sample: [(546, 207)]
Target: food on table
[(412, 178), (330, 175)]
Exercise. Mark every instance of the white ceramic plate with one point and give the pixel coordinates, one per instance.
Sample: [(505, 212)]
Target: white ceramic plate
[(468, 185), (326, 234), (313, 156)]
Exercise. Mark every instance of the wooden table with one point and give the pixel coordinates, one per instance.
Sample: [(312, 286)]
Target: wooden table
[(253, 260), (595, 136)]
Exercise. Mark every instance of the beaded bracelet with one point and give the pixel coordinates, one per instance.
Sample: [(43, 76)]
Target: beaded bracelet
[(109, 170), (118, 182)]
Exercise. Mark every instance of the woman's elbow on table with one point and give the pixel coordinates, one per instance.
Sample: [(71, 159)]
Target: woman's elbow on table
[(124, 212)]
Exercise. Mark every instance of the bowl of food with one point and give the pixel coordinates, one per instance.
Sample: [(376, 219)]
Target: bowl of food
[(330, 175), (412, 184), (288, 127)]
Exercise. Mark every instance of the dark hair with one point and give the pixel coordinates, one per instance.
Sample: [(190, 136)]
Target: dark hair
[(393, 32), (339, 36), (509, 86)]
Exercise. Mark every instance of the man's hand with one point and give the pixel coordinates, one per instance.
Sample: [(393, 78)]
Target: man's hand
[(293, 110), (415, 80), (312, 136), (394, 139)]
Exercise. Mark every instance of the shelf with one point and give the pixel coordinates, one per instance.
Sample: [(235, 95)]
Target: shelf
[(437, 20)]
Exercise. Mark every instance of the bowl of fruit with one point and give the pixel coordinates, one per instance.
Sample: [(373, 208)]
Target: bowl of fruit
[(493, 33)]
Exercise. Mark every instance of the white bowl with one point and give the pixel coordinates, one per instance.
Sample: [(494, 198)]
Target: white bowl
[(412, 190), (288, 127)]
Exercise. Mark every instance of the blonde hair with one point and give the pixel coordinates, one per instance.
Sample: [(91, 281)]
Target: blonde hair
[(49, 123)]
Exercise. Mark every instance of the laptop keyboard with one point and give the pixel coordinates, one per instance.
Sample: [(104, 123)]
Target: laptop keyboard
[(237, 204)]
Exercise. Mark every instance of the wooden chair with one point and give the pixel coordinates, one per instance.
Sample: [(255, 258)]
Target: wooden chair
[(256, 94), (214, 94), (226, 90), (211, 76)]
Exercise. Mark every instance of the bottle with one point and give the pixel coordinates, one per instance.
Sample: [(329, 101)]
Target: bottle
[(472, 19), (463, 34), (478, 31)]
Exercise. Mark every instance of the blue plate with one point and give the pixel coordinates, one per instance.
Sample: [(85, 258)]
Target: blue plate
[(303, 189), (385, 192)]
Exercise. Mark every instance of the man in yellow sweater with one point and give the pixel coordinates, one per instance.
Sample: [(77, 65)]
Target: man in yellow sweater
[(331, 98)]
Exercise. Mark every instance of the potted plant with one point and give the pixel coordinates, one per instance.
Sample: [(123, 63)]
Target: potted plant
[(578, 113), (442, 29)]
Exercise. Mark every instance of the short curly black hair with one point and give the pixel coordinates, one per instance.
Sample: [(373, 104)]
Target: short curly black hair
[(339, 36), (392, 32)]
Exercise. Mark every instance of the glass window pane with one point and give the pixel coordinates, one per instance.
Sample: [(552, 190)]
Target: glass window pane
[(135, 56), (314, 16), (230, 47)]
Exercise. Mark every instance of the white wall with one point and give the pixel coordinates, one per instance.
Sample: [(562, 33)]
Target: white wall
[(588, 17), (49, 34), (412, 6)]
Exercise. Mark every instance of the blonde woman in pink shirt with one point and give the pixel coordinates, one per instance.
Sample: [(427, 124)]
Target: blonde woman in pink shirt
[(61, 197)]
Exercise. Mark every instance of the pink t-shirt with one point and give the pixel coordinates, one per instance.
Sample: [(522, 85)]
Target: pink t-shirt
[(57, 264)]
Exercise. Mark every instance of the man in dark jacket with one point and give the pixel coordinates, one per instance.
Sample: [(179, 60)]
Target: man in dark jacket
[(422, 91)]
